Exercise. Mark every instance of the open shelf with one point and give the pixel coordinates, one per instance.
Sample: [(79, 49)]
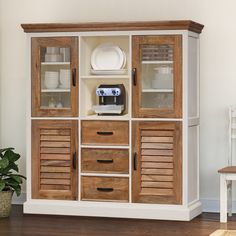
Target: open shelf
[(89, 43), (105, 117), (104, 77)]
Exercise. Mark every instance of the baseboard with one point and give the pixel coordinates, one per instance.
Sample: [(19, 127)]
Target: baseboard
[(213, 205), (208, 205)]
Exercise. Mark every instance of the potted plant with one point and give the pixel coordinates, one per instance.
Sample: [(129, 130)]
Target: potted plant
[(10, 180)]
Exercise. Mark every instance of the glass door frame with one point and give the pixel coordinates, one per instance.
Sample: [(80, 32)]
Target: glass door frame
[(36, 44), (138, 110)]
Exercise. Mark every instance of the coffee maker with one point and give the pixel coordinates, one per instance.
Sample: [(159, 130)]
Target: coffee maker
[(111, 99)]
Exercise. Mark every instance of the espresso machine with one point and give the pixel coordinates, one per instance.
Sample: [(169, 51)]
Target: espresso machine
[(111, 99)]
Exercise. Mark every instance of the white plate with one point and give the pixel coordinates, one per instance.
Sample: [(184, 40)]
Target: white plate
[(108, 72), (107, 57)]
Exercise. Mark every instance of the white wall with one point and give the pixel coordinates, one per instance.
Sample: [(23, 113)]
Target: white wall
[(218, 69)]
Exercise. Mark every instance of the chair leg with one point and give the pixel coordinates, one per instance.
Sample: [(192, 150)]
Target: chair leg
[(223, 199), (230, 197)]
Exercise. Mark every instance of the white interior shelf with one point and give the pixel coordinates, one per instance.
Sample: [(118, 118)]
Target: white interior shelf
[(55, 63), (157, 90), (55, 90), (157, 62)]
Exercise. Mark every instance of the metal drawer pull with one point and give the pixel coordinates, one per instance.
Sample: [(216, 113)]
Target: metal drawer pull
[(105, 133), (105, 189), (105, 161)]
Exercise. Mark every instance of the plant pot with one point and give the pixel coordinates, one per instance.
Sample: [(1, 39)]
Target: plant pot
[(5, 203)]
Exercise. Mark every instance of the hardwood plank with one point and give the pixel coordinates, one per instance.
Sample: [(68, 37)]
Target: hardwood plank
[(38, 224)]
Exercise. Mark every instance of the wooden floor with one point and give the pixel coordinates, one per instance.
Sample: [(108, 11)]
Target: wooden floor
[(19, 224)]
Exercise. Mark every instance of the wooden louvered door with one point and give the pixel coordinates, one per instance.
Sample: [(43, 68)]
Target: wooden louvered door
[(157, 162), (54, 159)]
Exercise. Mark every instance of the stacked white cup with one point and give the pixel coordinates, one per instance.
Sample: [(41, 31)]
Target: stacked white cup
[(65, 78)]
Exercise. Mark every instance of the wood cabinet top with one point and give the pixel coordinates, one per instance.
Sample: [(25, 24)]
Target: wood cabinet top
[(113, 26)]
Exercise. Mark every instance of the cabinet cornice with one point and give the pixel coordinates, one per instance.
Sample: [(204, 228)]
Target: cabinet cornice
[(113, 26)]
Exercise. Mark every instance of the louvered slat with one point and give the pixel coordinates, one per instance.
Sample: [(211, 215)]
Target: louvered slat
[(56, 142), (157, 162)]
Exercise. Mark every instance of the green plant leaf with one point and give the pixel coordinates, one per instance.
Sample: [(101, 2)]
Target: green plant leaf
[(2, 186), (5, 149), (11, 155), (18, 179), (4, 163), (17, 189)]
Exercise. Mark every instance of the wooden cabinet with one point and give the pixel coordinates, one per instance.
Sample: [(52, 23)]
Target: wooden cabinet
[(131, 156), (54, 159), (157, 162), (54, 66), (157, 76)]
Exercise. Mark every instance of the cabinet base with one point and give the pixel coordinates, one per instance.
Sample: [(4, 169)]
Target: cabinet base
[(116, 210)]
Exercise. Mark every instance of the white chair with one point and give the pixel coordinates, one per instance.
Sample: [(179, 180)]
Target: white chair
[(228, 173)]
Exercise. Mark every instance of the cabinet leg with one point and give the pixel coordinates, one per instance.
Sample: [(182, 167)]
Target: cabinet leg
[(223, 199)]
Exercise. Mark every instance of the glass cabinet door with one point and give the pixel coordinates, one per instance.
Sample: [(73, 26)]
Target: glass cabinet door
[(157, 76), (55, 76)]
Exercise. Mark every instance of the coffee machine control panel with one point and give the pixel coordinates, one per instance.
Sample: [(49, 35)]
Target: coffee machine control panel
[(104, 92)]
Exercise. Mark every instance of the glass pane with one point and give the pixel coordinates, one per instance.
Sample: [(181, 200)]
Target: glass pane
[(55, 77), (157, 76)]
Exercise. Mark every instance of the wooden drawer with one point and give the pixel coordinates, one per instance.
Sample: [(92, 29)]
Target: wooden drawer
[(105, 160), (105, 132), (105, 188)]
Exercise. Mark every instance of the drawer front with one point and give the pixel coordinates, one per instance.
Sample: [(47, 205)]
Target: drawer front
[(105, 132), (105, 160), (105, 189)]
